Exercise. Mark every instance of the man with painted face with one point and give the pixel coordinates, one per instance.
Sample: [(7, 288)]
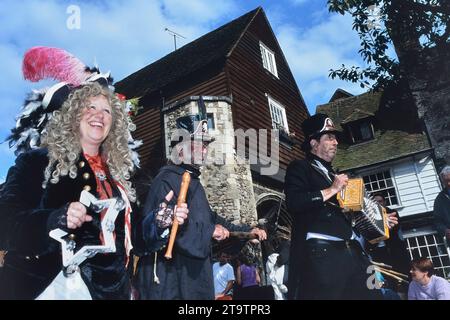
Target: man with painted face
[(326, 262), (189, 274)]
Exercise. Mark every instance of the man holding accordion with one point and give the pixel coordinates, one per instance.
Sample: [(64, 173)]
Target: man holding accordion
[(327, 261)]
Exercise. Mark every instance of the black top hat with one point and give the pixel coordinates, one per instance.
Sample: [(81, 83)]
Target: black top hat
[(317, 125)]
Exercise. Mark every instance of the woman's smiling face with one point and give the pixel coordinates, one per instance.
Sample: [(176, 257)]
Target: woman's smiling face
[(95, 124)]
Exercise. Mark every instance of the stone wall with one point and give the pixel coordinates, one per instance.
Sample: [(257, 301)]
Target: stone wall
[(230, 193)]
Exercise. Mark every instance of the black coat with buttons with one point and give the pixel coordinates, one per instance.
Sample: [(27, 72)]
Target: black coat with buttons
[(28, 212)]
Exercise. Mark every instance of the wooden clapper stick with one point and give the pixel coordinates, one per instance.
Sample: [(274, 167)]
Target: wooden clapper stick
[(186, 179)]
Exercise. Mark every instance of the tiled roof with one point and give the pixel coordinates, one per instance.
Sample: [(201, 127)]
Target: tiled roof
[(391, 139), (212, 48)]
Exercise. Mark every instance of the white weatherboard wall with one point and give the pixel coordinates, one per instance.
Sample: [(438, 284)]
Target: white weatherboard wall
[(417, 185)]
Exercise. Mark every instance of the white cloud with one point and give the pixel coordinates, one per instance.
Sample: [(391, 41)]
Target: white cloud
[(312, 52), (194, 11), (124, 36), (121, 36)]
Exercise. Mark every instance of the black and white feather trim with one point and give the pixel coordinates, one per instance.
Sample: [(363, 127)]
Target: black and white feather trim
[(133, 145), (29, 123)]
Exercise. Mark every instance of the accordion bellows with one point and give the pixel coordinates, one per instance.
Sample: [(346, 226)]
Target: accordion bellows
[(368, 217)]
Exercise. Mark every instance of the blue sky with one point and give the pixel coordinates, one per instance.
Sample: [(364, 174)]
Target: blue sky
[(124, 36)]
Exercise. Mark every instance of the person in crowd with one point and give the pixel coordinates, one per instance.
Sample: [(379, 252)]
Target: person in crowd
[(392, 251), (426, 285), (71, 138), (248, 280), (277, 270), (441, 209), (188, 275), (223, 278)]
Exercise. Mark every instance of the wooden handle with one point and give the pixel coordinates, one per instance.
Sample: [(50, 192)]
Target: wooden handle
[(390, 274), (186, 179), (243, 235)]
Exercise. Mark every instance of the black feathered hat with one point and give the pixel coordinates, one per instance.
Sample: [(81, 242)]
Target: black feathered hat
[(42, 63)]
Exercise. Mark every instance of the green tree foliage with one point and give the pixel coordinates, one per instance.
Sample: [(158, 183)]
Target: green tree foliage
[(410, 26)]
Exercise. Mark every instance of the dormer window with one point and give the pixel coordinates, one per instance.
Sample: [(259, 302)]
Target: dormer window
[(361, 131), (268, 59)]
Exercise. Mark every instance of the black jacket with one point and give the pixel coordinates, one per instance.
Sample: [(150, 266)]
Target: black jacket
[(441, 212), (310, 213), (305, 202), (28, 212), (188, 275)]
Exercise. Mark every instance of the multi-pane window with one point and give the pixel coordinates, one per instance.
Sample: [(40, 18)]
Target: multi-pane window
[(433, 247), (382, 183), (278, 114), (268, 59)]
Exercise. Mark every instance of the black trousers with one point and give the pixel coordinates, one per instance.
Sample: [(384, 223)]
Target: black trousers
[(336, 271)]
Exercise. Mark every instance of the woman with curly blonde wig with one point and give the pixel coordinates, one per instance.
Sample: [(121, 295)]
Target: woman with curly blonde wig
[(74, 157), (84, 147), (62, 138)]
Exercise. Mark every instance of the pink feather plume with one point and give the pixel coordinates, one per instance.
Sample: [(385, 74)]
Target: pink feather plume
[(44, 62)]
